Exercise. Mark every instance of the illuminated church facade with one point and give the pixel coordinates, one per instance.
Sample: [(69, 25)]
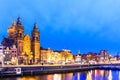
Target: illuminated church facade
[(20, 48), (27, 47)]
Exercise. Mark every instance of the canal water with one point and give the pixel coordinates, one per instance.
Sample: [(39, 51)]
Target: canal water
[(85, 75)]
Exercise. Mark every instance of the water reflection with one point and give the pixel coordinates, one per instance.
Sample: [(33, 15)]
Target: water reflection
[(86, 75), (89, 75)]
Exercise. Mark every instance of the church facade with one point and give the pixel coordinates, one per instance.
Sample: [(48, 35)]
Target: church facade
[(20, 48), (28, 48)]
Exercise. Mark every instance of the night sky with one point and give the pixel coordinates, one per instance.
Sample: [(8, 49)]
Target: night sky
[(85, 25)]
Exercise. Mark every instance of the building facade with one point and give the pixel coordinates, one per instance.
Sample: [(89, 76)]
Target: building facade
[(1, 54), (22, 48), (78, 57), (14, 55), (104, 56), (49, 56), (28, 49), (8, 56)]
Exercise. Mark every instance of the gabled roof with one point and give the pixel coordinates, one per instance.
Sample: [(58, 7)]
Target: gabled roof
[(7, 42)]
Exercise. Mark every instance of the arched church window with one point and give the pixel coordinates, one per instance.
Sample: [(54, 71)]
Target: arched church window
[(37, 38), (20, 34)]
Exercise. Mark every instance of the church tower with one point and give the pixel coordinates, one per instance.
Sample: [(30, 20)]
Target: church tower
[(12, 31), (19, 36), (35, 43)]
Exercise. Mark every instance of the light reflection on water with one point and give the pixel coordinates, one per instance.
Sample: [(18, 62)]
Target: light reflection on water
[(86, 75)]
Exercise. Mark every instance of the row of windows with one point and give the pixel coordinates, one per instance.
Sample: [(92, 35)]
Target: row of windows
[(7, 52), (9, 56)]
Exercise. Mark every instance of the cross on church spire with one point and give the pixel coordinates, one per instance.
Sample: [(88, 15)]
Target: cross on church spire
[(35, 26), (19, 21)]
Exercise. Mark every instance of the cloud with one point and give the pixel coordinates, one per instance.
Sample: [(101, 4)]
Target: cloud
[(98, 19)]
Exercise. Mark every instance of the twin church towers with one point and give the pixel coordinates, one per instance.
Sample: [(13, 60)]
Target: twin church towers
[(24, 43)]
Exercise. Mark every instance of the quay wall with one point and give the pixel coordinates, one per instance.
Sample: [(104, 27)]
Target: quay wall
[(47, 69)]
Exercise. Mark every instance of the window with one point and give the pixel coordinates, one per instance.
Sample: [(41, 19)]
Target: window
[(37, 38), (20, 34)]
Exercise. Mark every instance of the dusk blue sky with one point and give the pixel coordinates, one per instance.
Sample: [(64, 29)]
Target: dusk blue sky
[(85, 25)]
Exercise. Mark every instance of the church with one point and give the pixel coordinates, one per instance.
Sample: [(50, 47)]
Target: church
[(28, 48), (20, 48)]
